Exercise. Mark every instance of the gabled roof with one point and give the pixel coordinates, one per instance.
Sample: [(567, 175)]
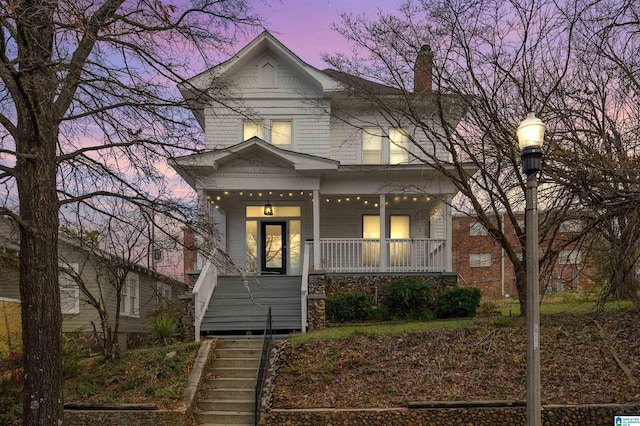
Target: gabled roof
[(194, 90), (251, 148)]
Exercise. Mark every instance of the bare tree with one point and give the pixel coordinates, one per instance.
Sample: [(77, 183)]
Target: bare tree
[(89, 111), (492, 63), (105, 256)]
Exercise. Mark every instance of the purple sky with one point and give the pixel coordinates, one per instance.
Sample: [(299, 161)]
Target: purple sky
[(304, 26)]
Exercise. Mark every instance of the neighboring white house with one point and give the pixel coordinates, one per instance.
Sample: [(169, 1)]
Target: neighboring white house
[(294, 165)]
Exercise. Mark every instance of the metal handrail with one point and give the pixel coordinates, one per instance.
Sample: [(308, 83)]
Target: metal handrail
[(262, 368)]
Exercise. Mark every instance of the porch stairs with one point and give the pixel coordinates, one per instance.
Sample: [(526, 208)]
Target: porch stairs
[(227, 395), (231, 310)]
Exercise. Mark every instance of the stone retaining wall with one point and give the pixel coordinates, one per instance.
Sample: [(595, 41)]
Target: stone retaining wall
[(375, 285), (322, 285), (127, 418), (552, 415)]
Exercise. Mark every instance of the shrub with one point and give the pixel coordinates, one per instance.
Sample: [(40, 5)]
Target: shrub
[(409, 298), (73, 350), (458, 302), (164, 330), (349, 307)]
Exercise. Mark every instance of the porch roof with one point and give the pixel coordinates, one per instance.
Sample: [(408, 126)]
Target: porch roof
[(255, 164)]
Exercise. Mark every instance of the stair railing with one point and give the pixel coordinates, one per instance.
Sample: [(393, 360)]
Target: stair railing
[(304, 286), (202, 291), (267, 342)]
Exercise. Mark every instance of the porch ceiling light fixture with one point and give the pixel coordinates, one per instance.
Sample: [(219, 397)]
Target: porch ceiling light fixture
[(268, 208)]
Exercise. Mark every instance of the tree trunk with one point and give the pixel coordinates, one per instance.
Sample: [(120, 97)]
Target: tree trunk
[(521, 287), (39, 290), (36, 142)]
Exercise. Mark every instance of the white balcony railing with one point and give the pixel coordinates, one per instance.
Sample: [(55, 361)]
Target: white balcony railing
[(402, 255)]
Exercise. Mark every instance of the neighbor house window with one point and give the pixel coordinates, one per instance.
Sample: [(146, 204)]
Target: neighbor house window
[(281, 133), (477, 229), (573, 226), (371, 146), (398, 146), (479, 260), (570, 257), (69, 291), (129, 297), (163, 291), (253, 128)]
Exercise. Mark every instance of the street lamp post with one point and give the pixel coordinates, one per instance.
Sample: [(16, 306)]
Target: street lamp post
[(530, 138)]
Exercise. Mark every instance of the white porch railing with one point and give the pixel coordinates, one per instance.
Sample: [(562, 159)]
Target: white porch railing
[(207, 281), (363, 255)]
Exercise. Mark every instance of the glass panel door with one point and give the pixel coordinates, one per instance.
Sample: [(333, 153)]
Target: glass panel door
[(274, 248)]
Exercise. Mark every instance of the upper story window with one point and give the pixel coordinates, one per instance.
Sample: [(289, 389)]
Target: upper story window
[(573, 226), (570, 257), (281, 132), (378, 149), (477, 229), (371, 146), (398, 146), (253, 128)]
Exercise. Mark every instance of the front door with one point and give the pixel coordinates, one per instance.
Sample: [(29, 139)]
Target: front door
[(274, 248)]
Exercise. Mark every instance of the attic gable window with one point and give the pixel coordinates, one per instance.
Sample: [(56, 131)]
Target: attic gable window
[(281, 133), (253, 128)]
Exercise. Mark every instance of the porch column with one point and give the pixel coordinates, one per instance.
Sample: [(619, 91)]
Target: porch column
[(383, 234), (316, 230), (448, 232)]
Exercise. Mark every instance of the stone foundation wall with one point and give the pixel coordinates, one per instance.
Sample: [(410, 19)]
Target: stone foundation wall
[(188, 312), (127, 418), (324, 285), (375, 285), (592, 415)]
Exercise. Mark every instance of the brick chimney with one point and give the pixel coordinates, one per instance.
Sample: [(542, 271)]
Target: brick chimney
[(422, 71)]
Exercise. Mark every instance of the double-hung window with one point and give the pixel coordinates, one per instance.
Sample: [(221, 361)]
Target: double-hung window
[(281, 133), (253, 128), (276, 132), (380, 149), (130, 296)]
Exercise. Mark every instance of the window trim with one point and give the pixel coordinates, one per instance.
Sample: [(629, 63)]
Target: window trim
[(126, 308), (484, 260), (271, 133), (477, 229), (388, 146)]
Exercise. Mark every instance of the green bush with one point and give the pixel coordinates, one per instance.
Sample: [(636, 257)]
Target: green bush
[(458, 302), (349, 307), (409, 298), (164, 330)]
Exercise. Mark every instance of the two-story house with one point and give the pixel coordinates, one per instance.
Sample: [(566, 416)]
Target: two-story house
[(302, 174)]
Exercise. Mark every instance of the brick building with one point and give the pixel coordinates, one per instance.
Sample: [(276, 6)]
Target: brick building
[(481, 262)]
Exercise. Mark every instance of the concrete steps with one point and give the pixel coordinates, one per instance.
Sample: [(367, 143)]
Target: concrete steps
[(228, 398)]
